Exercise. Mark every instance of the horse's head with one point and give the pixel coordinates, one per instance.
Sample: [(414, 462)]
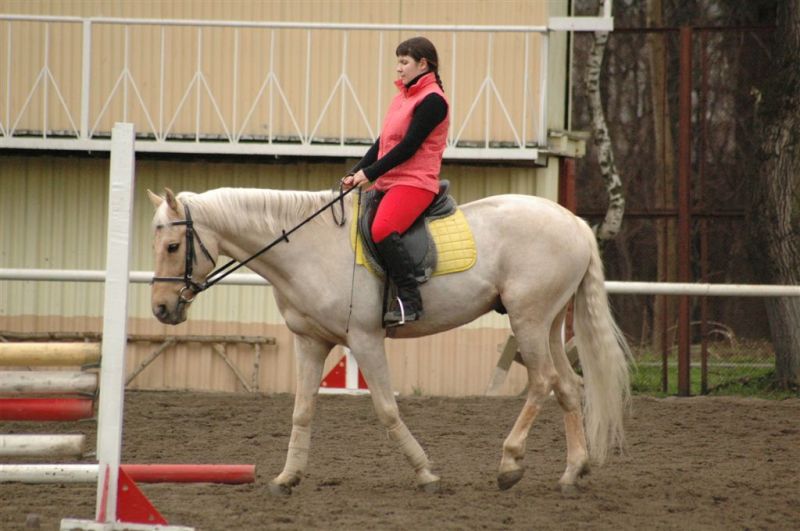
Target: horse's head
[(183, 258)]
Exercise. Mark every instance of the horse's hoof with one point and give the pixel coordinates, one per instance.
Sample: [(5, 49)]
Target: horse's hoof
[(506, 480), (569, 490), (432, 487), (279, 489)]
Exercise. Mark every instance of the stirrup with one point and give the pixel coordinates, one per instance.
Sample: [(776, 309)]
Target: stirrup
[(390, 317), (402, 312)]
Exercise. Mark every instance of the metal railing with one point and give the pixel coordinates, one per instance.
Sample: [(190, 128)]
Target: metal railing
[(494, 115)]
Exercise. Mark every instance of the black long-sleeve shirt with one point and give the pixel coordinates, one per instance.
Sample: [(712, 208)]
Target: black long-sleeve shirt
[(431, 111)]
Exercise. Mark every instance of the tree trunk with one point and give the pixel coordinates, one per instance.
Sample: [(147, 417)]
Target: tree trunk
[(665, 308), (616, 199), (775, 244)]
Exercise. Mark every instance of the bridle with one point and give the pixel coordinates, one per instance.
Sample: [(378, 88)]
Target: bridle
[(191, 258), (221, 272)]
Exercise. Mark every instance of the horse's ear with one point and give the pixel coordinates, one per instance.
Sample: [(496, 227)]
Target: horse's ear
[(171, 201), (157, 200)]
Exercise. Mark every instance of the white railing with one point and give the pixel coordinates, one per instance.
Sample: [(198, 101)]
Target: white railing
[(132, 70), (612, 286)]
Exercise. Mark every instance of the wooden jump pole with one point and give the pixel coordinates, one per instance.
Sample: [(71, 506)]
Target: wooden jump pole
[(87, 473), (41, 445), (47, 382), (40, 409), (49, 354)]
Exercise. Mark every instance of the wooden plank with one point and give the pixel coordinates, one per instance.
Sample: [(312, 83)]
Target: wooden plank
[(220, 350), (503, 365), (47, 382), (155, 354)]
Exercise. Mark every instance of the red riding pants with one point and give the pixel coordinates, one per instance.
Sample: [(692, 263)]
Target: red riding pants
[(399, 208)]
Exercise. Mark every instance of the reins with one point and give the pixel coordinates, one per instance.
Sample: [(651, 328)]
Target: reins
[(221, 272)]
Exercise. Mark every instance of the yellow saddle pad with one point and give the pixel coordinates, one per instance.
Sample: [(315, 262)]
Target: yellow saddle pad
[(455, 245)]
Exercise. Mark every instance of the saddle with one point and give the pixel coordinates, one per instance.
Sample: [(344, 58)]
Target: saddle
[(418, 239)]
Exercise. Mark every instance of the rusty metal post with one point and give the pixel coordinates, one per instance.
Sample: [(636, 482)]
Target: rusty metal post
[(704, 251), (566, 184), (666, 345), (684, 211), (569, 200)]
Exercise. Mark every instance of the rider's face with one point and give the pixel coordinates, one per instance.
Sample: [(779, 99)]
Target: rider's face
[(407, 68)]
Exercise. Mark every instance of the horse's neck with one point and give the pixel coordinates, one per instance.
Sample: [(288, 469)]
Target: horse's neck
[(246, 220), (234, 211)]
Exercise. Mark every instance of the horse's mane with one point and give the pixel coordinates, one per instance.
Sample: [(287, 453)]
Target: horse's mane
[(255, 209)]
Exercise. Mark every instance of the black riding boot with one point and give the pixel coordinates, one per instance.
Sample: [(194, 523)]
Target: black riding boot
[(408, 305)]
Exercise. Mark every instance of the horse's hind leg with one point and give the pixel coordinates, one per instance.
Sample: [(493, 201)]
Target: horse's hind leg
[(372, 362), (533, 344), (310, 354), (568, 390)]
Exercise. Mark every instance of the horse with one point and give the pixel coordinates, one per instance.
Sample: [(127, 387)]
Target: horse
[(533, 258)]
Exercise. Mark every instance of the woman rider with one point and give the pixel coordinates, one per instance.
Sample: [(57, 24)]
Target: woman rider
[(404, 164)]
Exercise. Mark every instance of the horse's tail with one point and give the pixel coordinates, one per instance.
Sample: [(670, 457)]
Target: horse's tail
[(604, 356)]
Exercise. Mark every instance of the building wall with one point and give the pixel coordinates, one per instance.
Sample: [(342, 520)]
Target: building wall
[(284, 73), (53, 207), (53, 215)]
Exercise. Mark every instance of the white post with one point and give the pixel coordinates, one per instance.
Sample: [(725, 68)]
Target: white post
[(86, 78), (115, 317), (544, 65), (351, 374)]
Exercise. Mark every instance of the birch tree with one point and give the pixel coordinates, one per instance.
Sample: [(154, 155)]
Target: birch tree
[(610, 226)]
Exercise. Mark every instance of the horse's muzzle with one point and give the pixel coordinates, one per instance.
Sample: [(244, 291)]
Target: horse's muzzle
[(164, 315)]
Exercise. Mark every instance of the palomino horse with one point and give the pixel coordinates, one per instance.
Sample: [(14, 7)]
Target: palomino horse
[(533, 257)]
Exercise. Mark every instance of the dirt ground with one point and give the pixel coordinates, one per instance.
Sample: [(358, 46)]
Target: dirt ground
[(697, 463)]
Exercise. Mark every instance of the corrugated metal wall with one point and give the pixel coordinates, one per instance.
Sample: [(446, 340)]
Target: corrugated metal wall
[(52, 215), (53, 208)]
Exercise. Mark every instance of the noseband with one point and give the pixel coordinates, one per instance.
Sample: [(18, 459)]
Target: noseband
[(191, 259)]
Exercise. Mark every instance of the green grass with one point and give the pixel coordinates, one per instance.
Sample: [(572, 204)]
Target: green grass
[(730, 380), (735, 368)]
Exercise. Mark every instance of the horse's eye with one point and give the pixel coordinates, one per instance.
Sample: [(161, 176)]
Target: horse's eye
[(173, 247)]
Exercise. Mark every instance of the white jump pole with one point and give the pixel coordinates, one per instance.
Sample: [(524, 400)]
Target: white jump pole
[(41, 445), (115, 333), (115, 320), (47, 382)]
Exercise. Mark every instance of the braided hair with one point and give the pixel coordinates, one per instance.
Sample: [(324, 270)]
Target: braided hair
[(419, 48)]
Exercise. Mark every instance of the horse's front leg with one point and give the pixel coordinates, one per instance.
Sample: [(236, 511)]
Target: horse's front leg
[(371, 360), (310, 354)]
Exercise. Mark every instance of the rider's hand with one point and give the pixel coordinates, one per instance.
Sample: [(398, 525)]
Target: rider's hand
[(358, 179)]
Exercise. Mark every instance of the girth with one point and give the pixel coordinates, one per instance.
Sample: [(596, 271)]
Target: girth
[(417, 239)]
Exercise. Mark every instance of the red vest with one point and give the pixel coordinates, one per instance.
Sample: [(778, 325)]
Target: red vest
[(422, 169)]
